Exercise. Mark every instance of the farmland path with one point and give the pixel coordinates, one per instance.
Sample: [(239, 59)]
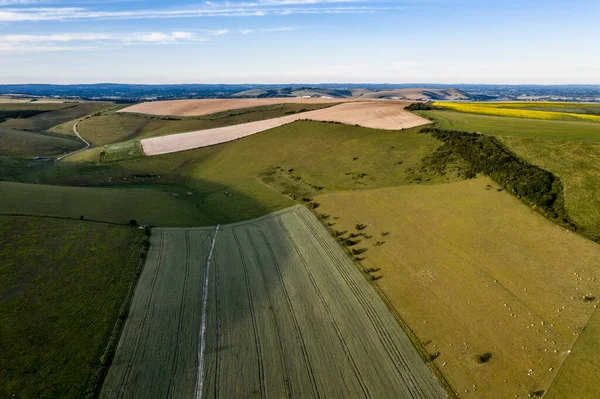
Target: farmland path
[(87, 143)]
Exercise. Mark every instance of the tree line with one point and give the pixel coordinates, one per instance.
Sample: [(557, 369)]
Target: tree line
[(19, 114), (533, 185)]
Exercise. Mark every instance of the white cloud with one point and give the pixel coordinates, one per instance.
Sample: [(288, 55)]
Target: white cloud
[(268, 30), (32, 43), (271, 7)]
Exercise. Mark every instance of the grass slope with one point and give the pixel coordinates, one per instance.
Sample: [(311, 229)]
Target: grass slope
[(577, 376), (62, 284), (116, 127), (472, 270), (47, 120), (267, 169), (19, 143), (147, 206), (518, 127), (288, 315), (578, 166)]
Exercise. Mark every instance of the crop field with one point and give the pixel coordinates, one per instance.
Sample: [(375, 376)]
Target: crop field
[(63, 113), (521, 110), (19, 143), (115, 205), (212, 106), (62, 285), (116, 127), (377, 115), (473, 271), (518, 127), (286, 314)]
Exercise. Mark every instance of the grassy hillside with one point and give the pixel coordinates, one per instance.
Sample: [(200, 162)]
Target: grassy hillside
[(293, 161), (35, 106), (577, 375), (474, 271), (578, 166), (46, 120), (117, 127), (148, 206), (519, 127), (62, 284), (19, 143)]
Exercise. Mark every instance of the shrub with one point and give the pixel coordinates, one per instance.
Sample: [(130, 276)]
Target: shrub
[(133, 222), (484, 358), (348, 242), (419, 107), (359, 226)]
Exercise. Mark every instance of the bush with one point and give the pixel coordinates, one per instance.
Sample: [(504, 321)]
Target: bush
[(419, 107), (133, 222), (484, 358), (348, 242), (359, 226)]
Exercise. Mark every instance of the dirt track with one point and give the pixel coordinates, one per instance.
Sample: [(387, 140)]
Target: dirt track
[(377, 115)]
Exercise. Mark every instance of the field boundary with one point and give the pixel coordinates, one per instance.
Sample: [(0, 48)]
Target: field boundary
[(417, 344), (97, 381)]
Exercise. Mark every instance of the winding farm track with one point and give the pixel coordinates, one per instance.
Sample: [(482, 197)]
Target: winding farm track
[(87, 143), (288, 316), (376, 114)]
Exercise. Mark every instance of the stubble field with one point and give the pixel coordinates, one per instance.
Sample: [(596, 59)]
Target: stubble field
[(288, 315)]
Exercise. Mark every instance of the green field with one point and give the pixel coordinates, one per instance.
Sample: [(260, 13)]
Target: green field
[(115, 127), (20, 143), (147, 206), (36, 106), (578, 166), (62, 284), (47, 120), (288, 315), (311, 157), (578, 374), (519, 127)]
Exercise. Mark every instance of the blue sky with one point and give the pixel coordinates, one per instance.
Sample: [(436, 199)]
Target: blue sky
[(300, 41)]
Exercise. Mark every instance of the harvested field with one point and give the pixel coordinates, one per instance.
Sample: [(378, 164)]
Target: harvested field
[(212, 106), (287, 315), (378, 115), (473, 271)]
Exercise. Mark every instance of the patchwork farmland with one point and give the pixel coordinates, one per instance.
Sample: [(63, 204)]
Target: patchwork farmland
[(376, 115), (287, 313)]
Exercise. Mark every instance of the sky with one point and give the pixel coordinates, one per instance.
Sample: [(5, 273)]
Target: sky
[(300, 41)]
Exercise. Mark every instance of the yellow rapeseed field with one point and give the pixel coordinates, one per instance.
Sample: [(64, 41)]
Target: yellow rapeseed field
[(508, 109)]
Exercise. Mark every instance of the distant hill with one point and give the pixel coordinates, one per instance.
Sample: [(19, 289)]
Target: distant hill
[(415, 94), (400, 94)]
